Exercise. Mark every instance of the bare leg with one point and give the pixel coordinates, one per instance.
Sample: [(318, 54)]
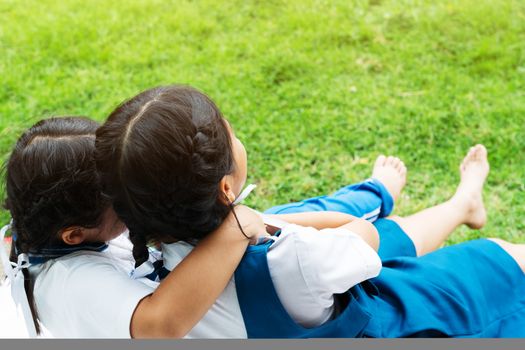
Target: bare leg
[(429, 228), (516, 251)]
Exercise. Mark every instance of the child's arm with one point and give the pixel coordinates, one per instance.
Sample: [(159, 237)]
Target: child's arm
[(331, 219), (309, 266), (317, 219), (366, 230), (187, 293)]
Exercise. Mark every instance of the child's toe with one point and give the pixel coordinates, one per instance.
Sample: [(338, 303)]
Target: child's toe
[(380, 161)]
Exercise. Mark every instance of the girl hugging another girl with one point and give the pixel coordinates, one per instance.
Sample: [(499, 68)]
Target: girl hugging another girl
[(67, 243), (62, 222), (173, 168), (170, 167)]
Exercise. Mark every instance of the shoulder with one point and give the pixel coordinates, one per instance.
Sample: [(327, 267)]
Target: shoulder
[(74, 271), (87, 261), (87, 294), (329, 259), (174, 253)]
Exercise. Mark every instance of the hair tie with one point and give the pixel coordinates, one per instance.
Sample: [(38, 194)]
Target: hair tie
[(22, 263), (15, 278)]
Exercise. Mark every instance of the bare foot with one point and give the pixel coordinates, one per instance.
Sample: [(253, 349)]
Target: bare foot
[(392, 173), (474, 171)]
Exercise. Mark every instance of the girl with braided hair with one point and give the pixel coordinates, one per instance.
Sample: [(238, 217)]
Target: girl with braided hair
[(61, 225), (173, 168)]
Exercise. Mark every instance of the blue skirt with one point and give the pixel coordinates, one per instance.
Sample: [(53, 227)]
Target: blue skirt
[(473, 289)]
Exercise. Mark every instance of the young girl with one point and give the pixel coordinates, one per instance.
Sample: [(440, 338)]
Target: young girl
[(173, 167), (61, 223)]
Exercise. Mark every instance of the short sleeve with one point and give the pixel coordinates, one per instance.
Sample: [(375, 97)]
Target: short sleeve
[(309, 266), (107, 299), (88, 298), (335, 260)]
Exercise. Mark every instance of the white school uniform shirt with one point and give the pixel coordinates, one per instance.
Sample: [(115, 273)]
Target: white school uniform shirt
[(307, 267), (89, 294)]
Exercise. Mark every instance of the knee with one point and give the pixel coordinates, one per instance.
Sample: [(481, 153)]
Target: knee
[(500, 241), (416, 239), (516, 251), (395, 218)]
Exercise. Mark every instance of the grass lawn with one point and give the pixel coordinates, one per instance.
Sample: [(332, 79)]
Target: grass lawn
[(315, 89)]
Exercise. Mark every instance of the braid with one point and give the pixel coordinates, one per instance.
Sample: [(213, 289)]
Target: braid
[(140, 247), (29, 286), (19, 246), (161, 163), (51, 183)]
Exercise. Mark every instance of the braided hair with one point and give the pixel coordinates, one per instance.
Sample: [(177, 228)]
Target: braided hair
[(51, 184), (161, 156)]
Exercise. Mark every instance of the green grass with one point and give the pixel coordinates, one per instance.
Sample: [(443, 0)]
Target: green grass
[(315, 89)]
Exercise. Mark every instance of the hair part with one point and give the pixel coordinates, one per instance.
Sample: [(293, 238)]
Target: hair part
[(161, 156), (52, 184)]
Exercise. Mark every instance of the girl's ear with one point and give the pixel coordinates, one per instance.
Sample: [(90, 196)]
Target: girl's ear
[(226, 189), (72, 235)]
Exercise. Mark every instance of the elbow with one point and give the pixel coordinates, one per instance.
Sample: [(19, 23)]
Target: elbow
[(149, 321), (371, 234), (168, 325), (375, 238), (366, 230), (173, 331), (158, 329)]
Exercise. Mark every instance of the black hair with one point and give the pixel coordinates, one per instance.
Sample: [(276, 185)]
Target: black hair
[(161, 156), (52, 184)]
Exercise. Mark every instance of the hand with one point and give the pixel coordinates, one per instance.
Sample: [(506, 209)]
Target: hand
[(251, 222)]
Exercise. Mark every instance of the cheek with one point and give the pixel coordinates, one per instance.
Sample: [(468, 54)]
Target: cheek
[(243, 163), (240, 170)]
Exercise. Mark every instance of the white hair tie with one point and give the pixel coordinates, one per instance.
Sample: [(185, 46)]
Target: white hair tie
[(15, 278)]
